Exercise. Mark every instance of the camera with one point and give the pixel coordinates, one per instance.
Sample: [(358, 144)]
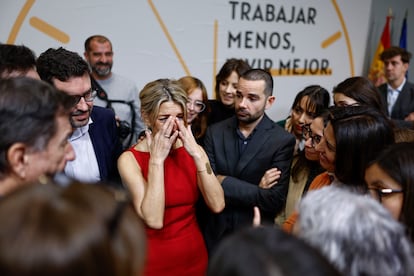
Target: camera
[(124, 129)]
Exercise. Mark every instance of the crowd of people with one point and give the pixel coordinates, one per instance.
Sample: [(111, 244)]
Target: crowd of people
[(99, 178)]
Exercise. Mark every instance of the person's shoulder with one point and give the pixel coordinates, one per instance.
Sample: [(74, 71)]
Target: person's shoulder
[(321, 180), (215, 106), (409, 85), (279, 132), (229, 122), (277, 126), (99, 112), (103, 121), (382, 87)]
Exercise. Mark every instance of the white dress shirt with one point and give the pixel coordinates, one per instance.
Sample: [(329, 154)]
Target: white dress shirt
[(85, 166), (392, 95)]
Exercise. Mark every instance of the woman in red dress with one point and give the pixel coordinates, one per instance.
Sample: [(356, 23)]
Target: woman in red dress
[(165, 173)]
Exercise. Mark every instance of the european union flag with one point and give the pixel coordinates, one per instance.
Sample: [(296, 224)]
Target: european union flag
[(403, 36)]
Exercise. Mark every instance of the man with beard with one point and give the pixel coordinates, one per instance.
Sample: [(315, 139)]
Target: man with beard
[(95, 138), (114, 91), (247, 153), (397, 94)]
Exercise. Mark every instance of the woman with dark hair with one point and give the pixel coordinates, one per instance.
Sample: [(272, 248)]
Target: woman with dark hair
[(360, 133), (225, 90), (390, 179), (308, 103), (267, 251), (353, 137), (306, 166), (356, 91), (78, 229)]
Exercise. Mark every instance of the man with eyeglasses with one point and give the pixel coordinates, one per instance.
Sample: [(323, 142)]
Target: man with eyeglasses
[(95, 138)]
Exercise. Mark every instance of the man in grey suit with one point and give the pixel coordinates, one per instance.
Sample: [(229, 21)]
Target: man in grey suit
[(397, 94), (247, 153)]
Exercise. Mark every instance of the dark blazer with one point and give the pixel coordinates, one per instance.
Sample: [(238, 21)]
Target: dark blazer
[(106, 144), (403, 106), (271, 146)]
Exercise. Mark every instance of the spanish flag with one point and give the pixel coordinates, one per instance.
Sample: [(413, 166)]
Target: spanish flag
[(376, 71)]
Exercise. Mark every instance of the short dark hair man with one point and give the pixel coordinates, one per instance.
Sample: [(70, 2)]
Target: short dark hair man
[(397, 94), (114, 91), (17, 60), (95, 138), (245, 151), (34, 127)]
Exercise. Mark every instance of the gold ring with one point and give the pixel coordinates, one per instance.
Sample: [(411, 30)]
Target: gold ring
[(167, 136)]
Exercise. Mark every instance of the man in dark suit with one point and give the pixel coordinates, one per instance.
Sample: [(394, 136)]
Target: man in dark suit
[(397, 94), (247, 152), (95, 138)]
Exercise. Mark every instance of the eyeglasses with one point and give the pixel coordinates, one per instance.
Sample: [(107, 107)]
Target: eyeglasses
[(87, 96), (307, 133), (378, 193), (198, 106)]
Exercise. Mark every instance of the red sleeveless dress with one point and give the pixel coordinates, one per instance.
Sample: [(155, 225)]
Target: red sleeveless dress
[(178, 248)]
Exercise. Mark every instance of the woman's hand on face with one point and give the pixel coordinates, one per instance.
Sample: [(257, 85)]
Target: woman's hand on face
[(160, 144), (187, 137)]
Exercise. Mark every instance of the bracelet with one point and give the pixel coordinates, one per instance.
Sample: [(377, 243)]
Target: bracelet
[(201, 171)]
